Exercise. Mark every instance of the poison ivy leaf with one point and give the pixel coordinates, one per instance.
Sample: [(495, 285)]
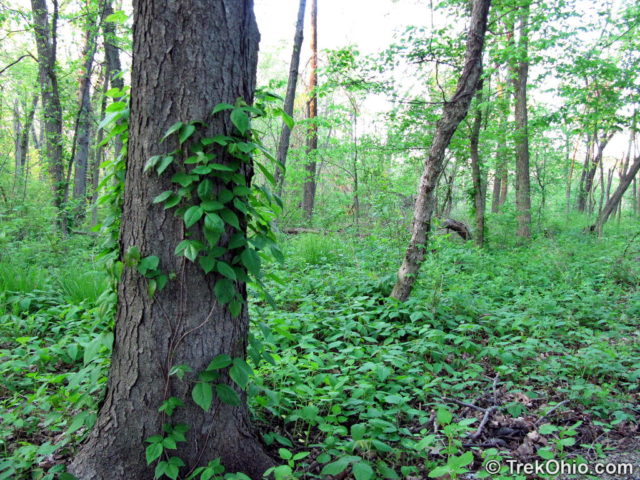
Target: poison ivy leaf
[(220, 361), (224, 290), (163, 196), (211, 205), (172, 129), (192, 215), (207, 263), (214, 223), (163, 164), (251, 260), (240, 119), (185, 132), (231, 218), (226, 270), (240, 372), (227, 395), (222, 106), (202, 394), (153, 452)]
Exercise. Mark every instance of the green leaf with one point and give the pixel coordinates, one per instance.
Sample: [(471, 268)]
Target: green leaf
[(224, 290), (152, 162), (251, 260), (185, 132), (207, 263), (205, 189), (231, 218), (202, 394), (545, 453), (220, 361), (241, 120), (240, 372), (211, 205), (214, 223), (547, 429), (183, 179), (337, 467), (148, 264), (226, 270), (357, 431), (153, 452), (285, 454), (191, 252), (227, 395), (172, 129), (439, 472), (192, 215), (235, 308), (461, 461), (163, 164), (444, 416), (163, 196), (362, 471), (222, 106)]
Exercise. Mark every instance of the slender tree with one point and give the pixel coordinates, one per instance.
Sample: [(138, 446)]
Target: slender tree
[(46, 44), (285, 133), (185, 61), (309, 195), (479, 187), (520, 78), (453, 113)]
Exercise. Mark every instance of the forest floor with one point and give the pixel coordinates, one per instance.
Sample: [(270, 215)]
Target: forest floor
[(525, 353)]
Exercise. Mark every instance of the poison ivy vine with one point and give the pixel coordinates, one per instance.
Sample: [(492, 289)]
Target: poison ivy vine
[(227, 225)]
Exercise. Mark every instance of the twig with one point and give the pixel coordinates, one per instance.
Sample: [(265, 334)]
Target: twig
[(553, 409), (464, 404), (483, 423)]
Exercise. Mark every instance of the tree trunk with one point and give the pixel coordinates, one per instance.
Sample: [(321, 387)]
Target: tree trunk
[(453, 113), (523, 188), (112, 57), (46, 42), (612, 203), (185, 61), (285, 133), (82, 135), (312, 112), (570, 179), (479, 198)]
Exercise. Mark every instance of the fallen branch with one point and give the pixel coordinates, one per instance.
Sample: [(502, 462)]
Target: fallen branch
[(483, 423)]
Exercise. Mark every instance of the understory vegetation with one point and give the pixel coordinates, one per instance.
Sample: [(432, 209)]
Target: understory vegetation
[(349, 382)]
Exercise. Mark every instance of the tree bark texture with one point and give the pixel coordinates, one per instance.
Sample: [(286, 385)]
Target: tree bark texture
[(289, 99), (523, 186), (187, 57), (453, 113), (309, 194), (52, 110), (479, 197)]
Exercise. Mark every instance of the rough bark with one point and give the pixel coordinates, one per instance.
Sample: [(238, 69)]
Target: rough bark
[(613, 202), (453, 113), (479, 197), (52, 110), (309, 195), (523, 187), (186, 59), (82, 134), (285, 133)]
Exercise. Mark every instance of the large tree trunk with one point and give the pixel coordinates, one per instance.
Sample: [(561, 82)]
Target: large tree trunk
[(52, 111), (453, 113), (523, 188), (82, 135), (479, 197), (309, 196), (186, 59), (613, 202), (285, 133)]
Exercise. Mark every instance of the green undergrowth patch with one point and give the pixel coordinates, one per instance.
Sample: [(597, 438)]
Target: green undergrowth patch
[(363, 386)]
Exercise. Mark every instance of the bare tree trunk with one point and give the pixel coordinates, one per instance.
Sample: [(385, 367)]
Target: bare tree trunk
[(479, 197), (46, 43), (523, 188), (616, 197), (572, 167), (289, 99), (312, 112), (185, 61), (453, 113), (82, 134)]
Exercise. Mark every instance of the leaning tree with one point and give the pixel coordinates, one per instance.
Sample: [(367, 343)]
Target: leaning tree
[(182, 322)]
